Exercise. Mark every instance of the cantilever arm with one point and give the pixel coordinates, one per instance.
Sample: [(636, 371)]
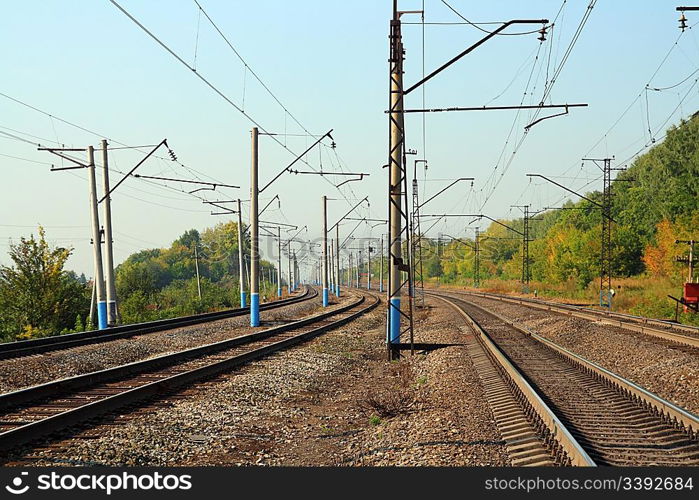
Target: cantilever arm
[(440, 192), (563, 187), (366, 198), (163, 142), (288, 167), (473, 47)]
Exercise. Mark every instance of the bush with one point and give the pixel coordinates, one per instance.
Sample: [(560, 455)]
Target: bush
[(394, 398)]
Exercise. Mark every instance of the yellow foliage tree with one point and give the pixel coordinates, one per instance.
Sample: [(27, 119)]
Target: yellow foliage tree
[(659, 257)]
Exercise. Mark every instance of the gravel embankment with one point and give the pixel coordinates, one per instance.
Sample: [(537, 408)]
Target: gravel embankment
[(451, 423), (16, 373), (312, 405), (668, 372)]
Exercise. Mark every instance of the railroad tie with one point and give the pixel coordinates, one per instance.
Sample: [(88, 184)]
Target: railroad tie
[(522, 442)]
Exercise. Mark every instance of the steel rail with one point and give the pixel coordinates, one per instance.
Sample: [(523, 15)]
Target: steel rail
[(67, 341), (669, 411), (556, 429), (631, 317), (610, 314), (59, 389), (601, 317)]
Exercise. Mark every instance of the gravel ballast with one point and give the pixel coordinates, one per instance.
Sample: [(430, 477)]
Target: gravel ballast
[(669, 372), (17, 373), (316, 404)]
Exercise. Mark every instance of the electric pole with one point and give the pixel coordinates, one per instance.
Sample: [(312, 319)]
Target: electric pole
[(241, 258), (381, 268), (254, 236), (526, 261), (525, 251), (279, 262), (606, 254), (112, 312), (396, 145), (477, 263), (368, 273), (325, 251), (419, 282), (290, 286), (606, 293), (689, 260), (196, 267), (337, 252), (331, 267), (96, 242), (296, 272)]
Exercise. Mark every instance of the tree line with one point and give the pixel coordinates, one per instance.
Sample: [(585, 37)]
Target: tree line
[(39, 297), (658, 205)]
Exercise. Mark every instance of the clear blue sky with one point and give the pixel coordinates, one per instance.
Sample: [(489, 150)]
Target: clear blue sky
[(327, 63)]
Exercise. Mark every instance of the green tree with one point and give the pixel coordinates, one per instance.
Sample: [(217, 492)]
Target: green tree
[(37, 296)]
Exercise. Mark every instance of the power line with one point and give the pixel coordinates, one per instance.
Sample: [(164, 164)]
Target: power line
[(476, 25), (25, 159), (212, 86), (248, 68), (569, 50), (640, 94), (547, 91)]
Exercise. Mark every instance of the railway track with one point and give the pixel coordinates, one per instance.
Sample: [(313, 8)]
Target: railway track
[(578, 408), (38, 411), (682, 335), (59, 342)]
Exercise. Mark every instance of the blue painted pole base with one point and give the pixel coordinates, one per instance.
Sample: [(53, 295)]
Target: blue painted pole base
[(279, 292), (254, 309), (337, 292), (243, 299), (102, 315), (394, 311), (325, 297)]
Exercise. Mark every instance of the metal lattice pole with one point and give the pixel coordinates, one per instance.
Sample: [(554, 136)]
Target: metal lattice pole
[(279, 262), (606, 251), (525, 252), (396, 166), (241, 258), (477, 263), (337, 260)]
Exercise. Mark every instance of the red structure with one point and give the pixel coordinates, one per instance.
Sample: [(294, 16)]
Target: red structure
[(691, 295)]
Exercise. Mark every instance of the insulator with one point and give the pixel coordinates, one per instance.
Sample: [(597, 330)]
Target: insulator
[(683, 22)]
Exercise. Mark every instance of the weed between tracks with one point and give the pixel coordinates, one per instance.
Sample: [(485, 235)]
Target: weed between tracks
[(395, 397)]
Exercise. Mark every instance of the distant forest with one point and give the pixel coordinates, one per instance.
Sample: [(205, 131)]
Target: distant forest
[(660, 205)]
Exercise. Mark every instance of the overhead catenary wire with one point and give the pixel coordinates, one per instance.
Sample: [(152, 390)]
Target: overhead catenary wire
[(92, 132), (208, 83), (477, 25), (546, 93)]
